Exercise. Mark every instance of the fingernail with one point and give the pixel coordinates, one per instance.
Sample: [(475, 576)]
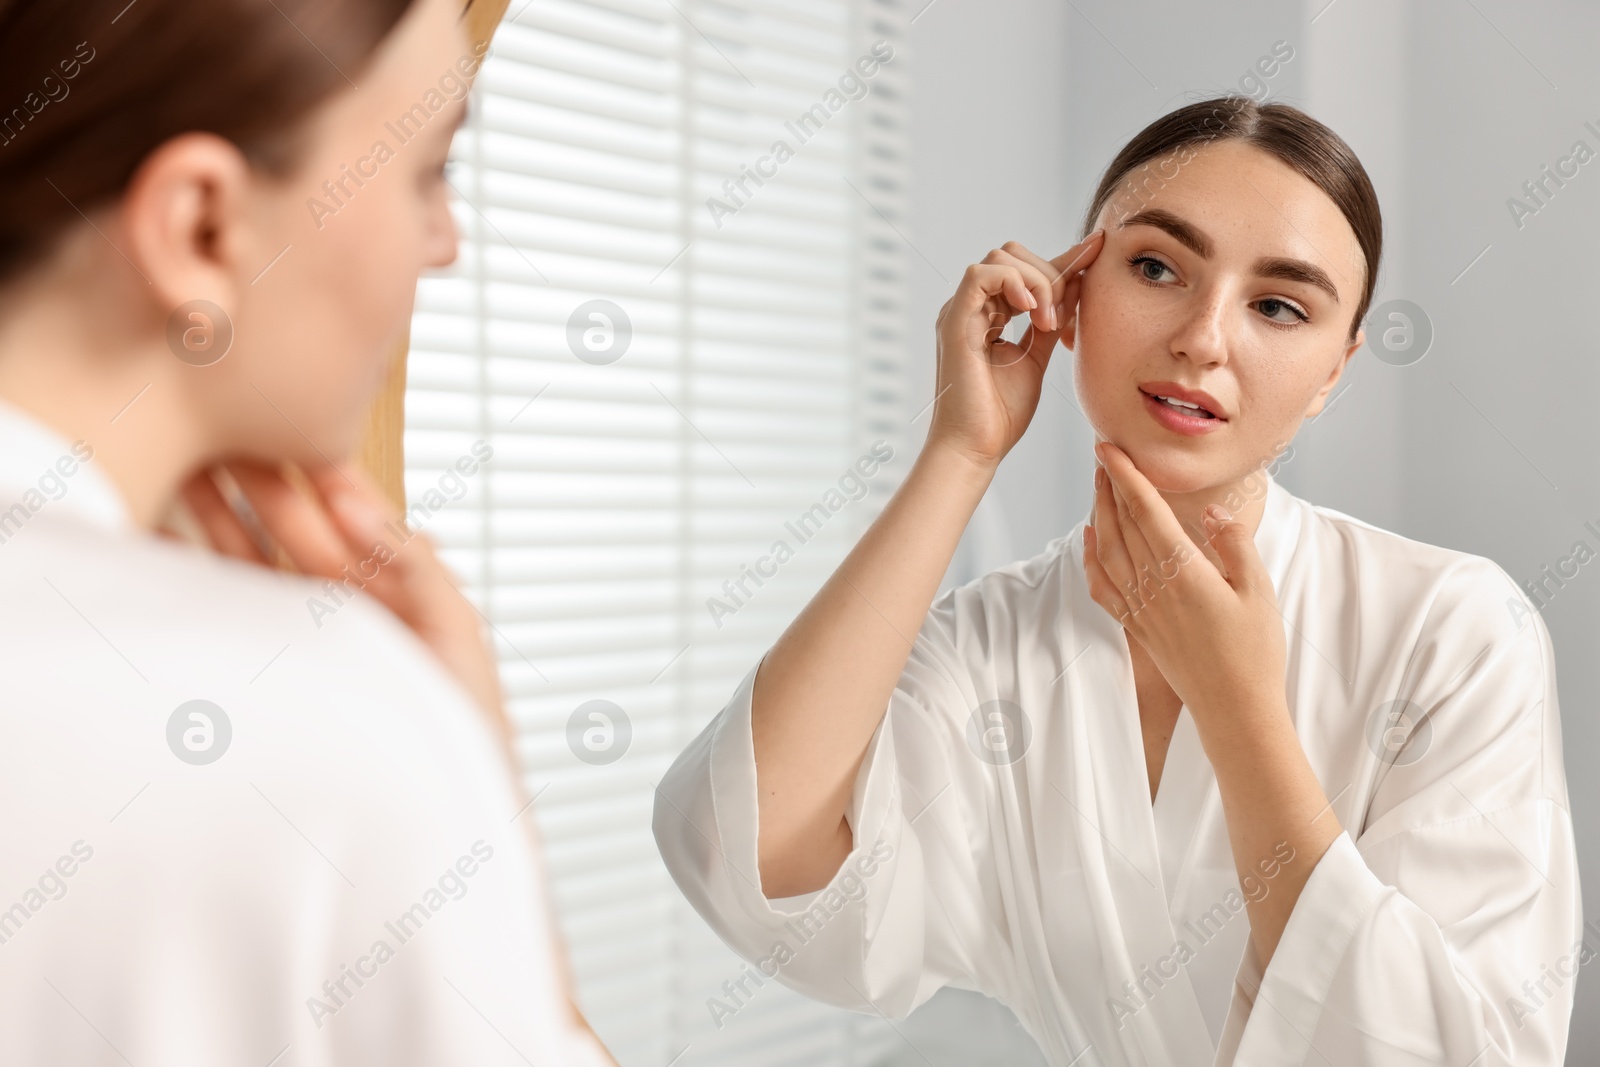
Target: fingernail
[(1219, 513)]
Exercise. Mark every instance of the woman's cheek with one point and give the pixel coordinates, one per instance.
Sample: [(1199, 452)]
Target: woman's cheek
[(1104, 341), (1276, 405), (386, 258), (351, 316)]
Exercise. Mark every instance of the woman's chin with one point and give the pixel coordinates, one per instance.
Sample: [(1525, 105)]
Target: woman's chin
[(1175, 471)]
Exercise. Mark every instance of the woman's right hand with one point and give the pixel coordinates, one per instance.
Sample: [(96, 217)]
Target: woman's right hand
[(821, 691), (987, 389)]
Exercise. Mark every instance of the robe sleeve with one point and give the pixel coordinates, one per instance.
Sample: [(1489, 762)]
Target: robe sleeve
[(911, 908), (1447, 927)]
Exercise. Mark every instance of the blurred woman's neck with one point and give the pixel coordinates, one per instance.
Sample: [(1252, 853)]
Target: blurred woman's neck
[(81, 352)]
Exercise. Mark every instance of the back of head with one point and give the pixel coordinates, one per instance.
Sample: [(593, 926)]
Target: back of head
[(219, 209), (91, 87)]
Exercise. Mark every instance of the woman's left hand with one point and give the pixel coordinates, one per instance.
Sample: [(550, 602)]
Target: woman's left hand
[(340, 526), (1207, 615)]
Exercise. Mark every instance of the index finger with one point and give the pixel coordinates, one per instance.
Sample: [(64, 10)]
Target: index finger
[(1076, 259), (1048, 269), (296, 521), (1149, 512), (221, 524), (346, 478), (1060, 270)]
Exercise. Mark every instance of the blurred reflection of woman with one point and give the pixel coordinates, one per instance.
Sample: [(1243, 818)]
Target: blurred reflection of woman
[(240, 830), (1220, 776)]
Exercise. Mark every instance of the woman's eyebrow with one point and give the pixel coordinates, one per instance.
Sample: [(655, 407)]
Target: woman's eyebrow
[(1188, 235), (1297, 270), (1183, 232)]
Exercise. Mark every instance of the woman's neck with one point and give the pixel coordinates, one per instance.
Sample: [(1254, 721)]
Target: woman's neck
[(81, 376), (1245, 499)]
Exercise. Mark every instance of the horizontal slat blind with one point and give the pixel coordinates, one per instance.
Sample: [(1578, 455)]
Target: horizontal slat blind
[(766, 357)]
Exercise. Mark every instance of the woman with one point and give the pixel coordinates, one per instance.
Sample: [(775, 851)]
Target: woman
[(1220, 776), (240, 829)]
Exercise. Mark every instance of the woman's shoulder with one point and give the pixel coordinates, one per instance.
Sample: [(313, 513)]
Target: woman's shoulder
[(1369, 545), (184, 619), (329, 784), (1468, 591), (1035, 579), (156, 588)]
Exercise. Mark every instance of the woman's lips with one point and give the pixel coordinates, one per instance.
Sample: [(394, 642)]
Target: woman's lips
[(1185, 396), (1179, 420)]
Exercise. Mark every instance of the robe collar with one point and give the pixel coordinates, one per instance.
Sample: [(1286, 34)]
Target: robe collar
[(1279, 531)]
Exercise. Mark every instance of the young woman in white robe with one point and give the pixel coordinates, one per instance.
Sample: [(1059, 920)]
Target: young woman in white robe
[(1220, 776), (250, 816)]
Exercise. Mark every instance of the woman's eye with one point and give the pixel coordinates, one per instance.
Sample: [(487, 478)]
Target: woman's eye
[(1271, 304), (1141, 265), (1149, 270)]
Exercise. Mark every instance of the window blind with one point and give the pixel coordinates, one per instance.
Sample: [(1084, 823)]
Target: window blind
[(676, 366)]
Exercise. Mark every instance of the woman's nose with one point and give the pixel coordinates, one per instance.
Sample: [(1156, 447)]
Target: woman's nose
[(1202, 336)]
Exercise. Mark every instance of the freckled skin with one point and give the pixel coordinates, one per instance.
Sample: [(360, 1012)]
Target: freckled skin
[(1208, 323)]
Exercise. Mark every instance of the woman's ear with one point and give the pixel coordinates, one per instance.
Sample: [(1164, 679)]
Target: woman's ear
[(182, 215), (1315, 407), (1068, 311), (1068, 317), (1075, 264)]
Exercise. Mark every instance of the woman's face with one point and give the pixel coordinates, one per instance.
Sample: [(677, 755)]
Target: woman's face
[(1224, 272), (315, 332)]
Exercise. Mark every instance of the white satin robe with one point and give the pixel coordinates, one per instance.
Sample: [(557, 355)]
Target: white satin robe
[(164, 912), (1443, 926)]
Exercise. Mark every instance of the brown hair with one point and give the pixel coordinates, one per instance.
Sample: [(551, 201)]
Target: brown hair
[(89, 88), (1281, 130)]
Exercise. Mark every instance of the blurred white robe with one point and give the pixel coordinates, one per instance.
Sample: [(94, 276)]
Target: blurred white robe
[(1443, 927), (155, 911)]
